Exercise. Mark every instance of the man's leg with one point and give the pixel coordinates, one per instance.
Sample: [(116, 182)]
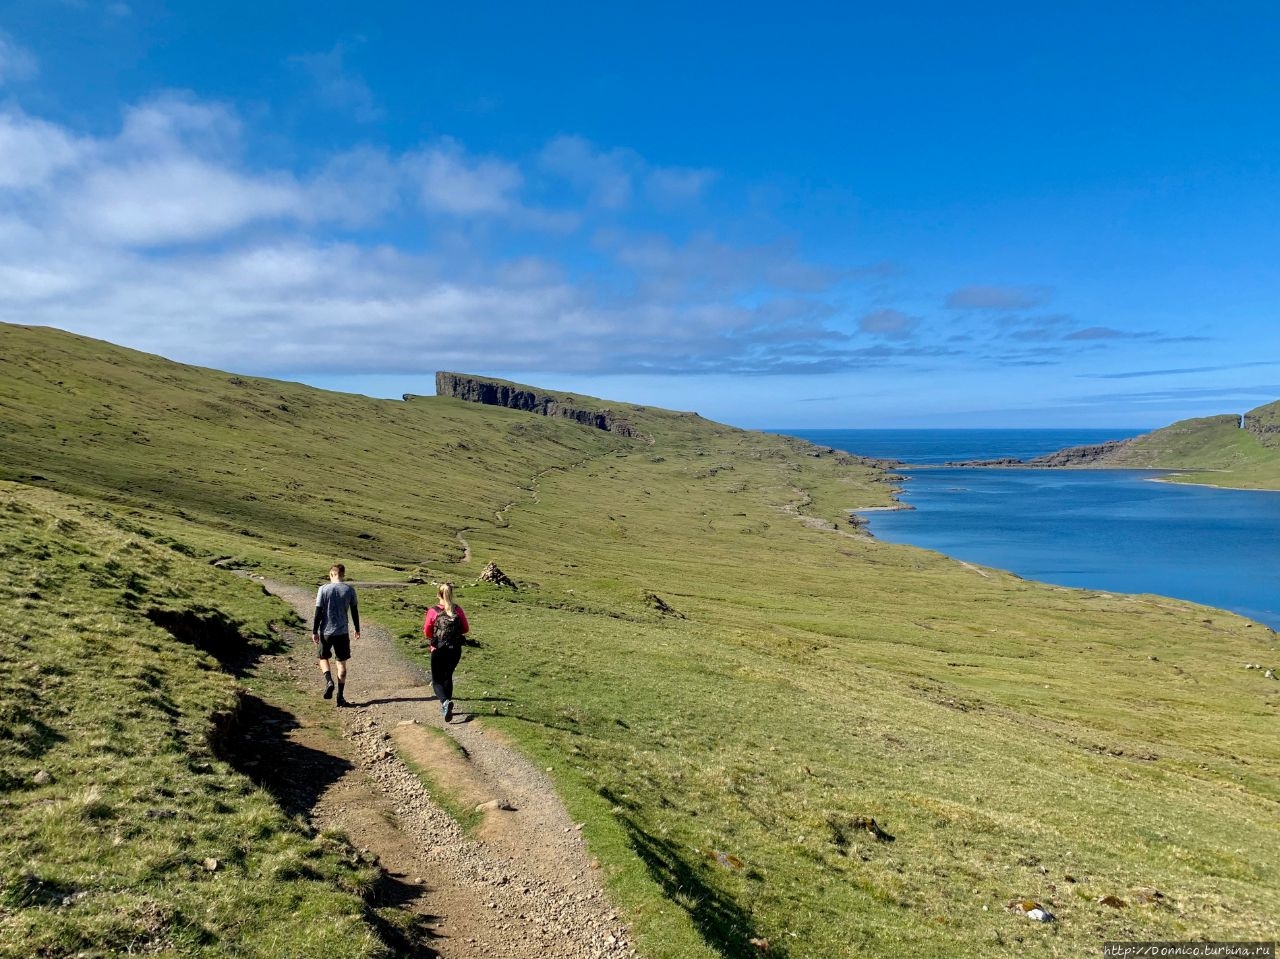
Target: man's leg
[(328, 676), (342, 650)]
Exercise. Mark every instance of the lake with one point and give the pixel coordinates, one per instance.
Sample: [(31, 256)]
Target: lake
[(1113, 530)]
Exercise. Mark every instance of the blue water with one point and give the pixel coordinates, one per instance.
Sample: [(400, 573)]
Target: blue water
[(934, 447), (1113, 530)]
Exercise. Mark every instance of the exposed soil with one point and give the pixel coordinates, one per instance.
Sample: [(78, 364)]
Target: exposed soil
[(522, 886)]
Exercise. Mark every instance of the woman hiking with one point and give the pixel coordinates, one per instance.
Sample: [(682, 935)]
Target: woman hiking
[(444, 628)]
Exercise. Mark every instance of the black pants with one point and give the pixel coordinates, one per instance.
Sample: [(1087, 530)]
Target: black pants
[(443, 663)]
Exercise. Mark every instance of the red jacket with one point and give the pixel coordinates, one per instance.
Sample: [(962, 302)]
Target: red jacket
[(431, 619)]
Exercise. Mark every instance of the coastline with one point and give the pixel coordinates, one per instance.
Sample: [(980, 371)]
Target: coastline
[(982, 542), (1234, 489)]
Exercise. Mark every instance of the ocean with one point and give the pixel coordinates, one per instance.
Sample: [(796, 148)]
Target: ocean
[(1113, 530), (935, 447)]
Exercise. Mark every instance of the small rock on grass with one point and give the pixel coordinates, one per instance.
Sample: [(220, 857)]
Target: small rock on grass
[(1031, 909)]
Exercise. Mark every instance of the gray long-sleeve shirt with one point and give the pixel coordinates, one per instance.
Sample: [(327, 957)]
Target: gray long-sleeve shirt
[(332, 602)]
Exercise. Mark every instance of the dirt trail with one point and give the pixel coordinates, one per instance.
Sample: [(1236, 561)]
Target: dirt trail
[(523, 887)]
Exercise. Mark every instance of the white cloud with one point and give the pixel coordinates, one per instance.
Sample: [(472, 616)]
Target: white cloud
[(165, 237), (175, 122), (453, 182), (175, 201), (32, 151), (609, 177)]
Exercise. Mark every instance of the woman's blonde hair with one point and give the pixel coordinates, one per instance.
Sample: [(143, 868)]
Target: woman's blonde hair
[(445, 595)]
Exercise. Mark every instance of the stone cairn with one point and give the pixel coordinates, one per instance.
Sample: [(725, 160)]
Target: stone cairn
[(491, 574)]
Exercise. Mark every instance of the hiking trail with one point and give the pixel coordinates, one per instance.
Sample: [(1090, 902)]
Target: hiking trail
[(523, 887), (499, 516)]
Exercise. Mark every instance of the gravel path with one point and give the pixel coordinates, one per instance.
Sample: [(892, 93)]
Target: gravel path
[(525, 886)]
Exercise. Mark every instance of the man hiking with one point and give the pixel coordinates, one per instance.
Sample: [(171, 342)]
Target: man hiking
[(329, 628)]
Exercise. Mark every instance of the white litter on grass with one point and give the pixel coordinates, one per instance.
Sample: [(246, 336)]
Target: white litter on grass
[(1031, 909)]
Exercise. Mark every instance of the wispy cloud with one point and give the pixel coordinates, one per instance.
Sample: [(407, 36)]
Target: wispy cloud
[(605, 175), (453, 182), (676, 186), (32, 151), (1179, 371), (168, 234), (1036, 328), (616, 179), (889, 323), (1236, 394), (164, 236), (997, 298), (17, 63), (338, 85), (1104, 333)]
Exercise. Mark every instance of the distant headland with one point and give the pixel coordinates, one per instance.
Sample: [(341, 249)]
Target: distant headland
[(1230, 449)]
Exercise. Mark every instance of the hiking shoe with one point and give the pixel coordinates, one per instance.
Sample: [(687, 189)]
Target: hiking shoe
[(328, 689), (341, 703), (447, 708)]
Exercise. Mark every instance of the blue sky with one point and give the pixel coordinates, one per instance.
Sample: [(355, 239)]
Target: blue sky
[(1012, 214)]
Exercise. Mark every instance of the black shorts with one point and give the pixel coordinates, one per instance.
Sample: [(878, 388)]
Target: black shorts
[(338, 647)]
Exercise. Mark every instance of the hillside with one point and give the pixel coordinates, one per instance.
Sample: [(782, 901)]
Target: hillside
[(725, 748), (1225, 450)]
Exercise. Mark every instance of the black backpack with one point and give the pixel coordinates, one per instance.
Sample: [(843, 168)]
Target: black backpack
[(446, 630)]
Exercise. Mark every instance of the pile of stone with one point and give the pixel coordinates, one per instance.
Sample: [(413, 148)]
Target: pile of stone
[(491, 574)]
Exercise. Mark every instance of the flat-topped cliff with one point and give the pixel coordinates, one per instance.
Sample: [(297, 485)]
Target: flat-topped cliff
[(492, 392)]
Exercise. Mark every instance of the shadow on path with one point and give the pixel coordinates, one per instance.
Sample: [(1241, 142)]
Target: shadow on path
[(407, 941), (260, 747)]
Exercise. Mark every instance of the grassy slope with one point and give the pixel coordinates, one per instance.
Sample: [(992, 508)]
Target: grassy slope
[(1214, 448), (1008, 734), (112, 796)]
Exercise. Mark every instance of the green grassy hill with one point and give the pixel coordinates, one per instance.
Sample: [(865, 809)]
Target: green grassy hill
[(1016, 740), (1216, 450)]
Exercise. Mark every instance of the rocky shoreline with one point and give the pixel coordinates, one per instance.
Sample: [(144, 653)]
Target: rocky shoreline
[(1091, 455)]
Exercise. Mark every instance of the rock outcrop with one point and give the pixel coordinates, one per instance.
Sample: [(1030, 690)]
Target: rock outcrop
[(1094, 454), (1264, 423), (970, 464), (474, 389)]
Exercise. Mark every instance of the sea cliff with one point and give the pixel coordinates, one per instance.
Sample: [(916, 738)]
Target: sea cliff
[(491, 392)]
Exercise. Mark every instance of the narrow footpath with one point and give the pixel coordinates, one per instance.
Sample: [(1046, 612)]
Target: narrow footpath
[(521, 887)]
